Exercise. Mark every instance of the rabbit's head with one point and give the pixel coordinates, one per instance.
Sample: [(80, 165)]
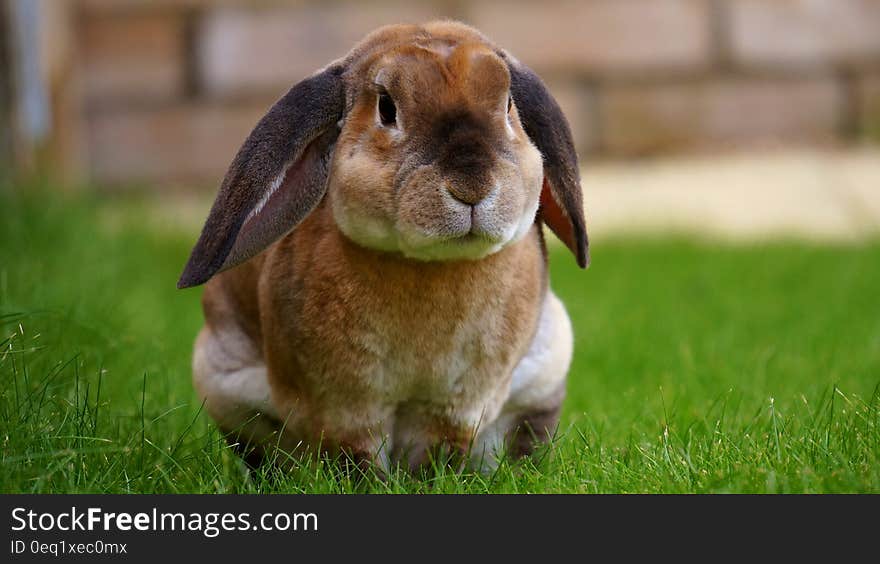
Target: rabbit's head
[(427, 141)]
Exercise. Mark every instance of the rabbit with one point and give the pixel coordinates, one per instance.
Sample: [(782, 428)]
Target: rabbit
[(375, 265)]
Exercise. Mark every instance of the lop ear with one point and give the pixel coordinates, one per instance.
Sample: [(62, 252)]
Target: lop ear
[(277, 178), (561, 199)]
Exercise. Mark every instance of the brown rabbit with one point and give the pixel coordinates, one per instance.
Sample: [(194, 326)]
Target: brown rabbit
[(377, 277)]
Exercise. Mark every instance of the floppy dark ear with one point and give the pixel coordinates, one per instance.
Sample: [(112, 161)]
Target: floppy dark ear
[(561, 200), (278, 176)]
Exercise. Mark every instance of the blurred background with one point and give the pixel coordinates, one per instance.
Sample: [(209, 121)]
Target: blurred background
[(686, 109)]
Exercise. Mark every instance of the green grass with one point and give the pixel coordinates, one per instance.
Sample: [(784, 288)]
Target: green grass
[(699, 367)]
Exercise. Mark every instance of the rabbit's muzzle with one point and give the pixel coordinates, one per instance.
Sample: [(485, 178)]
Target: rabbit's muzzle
[(447, 217)]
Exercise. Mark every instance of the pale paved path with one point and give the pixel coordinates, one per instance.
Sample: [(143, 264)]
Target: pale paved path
[(816, 195)]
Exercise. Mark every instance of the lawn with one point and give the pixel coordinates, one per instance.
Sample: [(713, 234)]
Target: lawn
[(699, 367)]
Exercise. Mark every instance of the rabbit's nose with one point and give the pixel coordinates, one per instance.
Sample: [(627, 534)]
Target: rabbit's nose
[(470, 194)]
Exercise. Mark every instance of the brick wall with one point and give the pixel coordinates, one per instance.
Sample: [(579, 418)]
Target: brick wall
[(169, 89)]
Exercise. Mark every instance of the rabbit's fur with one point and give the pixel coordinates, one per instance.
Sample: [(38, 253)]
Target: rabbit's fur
[(376, 279)]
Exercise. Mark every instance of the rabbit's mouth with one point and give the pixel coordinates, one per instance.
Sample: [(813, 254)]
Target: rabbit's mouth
[(464, 232), (472, 238)]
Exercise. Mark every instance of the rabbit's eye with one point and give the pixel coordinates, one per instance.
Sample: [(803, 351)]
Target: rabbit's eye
[(509, 102), (387, 109)]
